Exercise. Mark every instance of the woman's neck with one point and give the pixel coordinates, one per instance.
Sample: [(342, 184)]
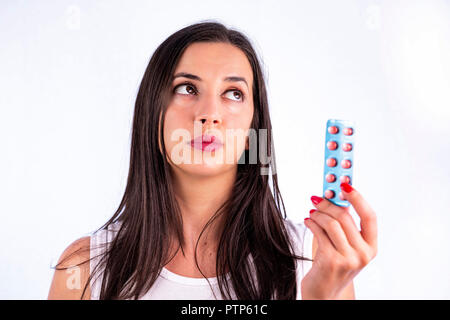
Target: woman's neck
[(199, 197)]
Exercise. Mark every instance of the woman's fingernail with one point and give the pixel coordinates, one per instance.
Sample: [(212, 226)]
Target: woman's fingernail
[(346, 187), (316, 200), (312, 210), (307, 219)]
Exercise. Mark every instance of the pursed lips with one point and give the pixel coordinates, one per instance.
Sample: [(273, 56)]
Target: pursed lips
[(206, 143)]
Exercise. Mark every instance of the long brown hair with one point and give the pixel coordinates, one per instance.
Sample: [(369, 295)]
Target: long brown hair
[(148, 212)]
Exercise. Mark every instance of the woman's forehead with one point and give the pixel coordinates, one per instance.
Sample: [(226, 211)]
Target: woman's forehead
[(212, 60)]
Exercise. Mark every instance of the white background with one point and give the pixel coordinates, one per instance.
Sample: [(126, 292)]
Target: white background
[(69, 75)]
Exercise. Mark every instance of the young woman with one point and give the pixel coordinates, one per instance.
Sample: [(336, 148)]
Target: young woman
[(198, 219)]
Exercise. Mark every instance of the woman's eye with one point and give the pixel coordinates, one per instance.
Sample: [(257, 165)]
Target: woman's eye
[(189, 89), (236, 95)]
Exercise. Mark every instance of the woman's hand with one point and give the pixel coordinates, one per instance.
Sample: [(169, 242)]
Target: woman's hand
[(342, 249)]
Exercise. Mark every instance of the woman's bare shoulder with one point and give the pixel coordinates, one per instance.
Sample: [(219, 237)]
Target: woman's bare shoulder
[(72, 272)]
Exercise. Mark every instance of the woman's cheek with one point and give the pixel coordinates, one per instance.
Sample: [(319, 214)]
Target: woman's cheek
[(175, 132), (181, 102)]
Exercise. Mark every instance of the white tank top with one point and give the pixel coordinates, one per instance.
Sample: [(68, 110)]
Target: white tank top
[(171, 286)]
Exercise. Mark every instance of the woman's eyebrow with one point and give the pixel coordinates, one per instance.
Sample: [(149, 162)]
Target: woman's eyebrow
[(194, 77)]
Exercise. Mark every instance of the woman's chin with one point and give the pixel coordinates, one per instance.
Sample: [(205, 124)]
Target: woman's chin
[(204, 163), (205, 169)]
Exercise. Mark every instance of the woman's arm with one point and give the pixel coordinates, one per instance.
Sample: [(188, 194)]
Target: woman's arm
[(68, 284)]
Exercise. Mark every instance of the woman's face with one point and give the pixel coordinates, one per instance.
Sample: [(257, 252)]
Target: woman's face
[(211, 95)]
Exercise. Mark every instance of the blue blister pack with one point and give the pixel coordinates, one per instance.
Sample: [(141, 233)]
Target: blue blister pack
[(338, 163)]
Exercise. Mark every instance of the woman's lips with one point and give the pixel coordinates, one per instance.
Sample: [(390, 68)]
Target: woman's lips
[(206, 143)]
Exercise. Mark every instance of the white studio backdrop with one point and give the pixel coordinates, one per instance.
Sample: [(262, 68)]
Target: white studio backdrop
[(69, 75)]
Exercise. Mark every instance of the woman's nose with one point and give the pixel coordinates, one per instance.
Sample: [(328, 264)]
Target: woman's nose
[(208, 119), (209, 112)]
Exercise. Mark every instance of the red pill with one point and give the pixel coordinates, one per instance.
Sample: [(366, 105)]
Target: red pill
[(333, 130), (347, 147), (330, 177), (348, 131), (331, 162), (346, 164), (332, 145), (329, 194), (345, 179)]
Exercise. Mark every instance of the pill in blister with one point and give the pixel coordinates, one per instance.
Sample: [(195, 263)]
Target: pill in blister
[(333, 130), (346, 164), (332, 145), (347, 147), (331, 162), (329, 194), (345, 179), (331, 177), (348, 131)]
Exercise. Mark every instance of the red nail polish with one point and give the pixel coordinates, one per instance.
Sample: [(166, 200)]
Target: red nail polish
[(312, 210), (346, 187), (307, 219), (316, 200)]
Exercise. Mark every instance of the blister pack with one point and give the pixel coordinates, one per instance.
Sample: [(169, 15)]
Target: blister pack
[(338, 163)]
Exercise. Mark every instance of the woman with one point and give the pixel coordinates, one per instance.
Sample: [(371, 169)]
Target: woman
[(198, 208)]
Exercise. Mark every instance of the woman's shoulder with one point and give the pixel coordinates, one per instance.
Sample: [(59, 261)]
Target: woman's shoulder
[(72, 272), (75, 263), (76, 253)]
